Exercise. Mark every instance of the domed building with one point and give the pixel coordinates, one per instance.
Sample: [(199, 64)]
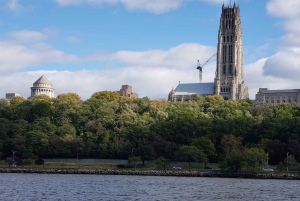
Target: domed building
[(42, 86)]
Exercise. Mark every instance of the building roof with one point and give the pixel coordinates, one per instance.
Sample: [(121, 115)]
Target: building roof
[(195, 88), (267, 91), (42, 80)]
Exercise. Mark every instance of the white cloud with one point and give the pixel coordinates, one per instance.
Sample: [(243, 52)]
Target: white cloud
[(256, 77), (26, 48), (154, 83), (14, 5), (153, 6), (25, 36), (284, 8), (180, 57), (285, 64), (73, 39)]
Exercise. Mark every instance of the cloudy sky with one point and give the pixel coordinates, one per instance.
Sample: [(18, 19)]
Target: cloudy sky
[(85, 46)]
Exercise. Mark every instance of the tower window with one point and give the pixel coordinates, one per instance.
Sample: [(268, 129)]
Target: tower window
[(227, 38), (231, 38), (224, 39), (230, 69), (224, 69)]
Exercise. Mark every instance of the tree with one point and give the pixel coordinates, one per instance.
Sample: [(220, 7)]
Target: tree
[(145, 152), (43, 97), (162, 162), (4, 103), (290, 162), (189, 154), (255, 157), (233, 161), (134, 160), (107, 96), (214, 99), (206, 146), (231, 143), (16, 100)]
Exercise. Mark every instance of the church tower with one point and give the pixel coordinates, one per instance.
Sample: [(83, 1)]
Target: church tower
[(229, 80)]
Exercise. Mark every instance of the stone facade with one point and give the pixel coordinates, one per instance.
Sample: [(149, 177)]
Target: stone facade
[(11, 95), (42, 86), (229, 81), (126, 90), (265, 95)]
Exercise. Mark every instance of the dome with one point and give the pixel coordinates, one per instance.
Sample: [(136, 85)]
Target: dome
[(42, 80)]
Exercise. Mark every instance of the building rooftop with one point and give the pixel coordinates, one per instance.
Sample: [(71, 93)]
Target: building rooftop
[(267, 91), (195, 88), (42, 80)]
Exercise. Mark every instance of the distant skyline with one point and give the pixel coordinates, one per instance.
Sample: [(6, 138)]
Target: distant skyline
[(85, 46)]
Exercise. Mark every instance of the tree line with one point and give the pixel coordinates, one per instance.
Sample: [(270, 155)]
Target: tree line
[(107, 125)]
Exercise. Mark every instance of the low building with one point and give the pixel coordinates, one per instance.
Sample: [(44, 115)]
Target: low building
[(183, 92), (126, 90), (11, 95), (265, 95), (42, 86)]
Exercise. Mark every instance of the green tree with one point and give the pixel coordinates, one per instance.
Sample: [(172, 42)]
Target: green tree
[(234, 161), (107, 96), (16, 100), (231, 143), (145, 152), (4, 103), (206, 146), (189, 154), (255, 157), (37, 142)]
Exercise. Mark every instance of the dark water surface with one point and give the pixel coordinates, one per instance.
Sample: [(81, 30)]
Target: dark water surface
[(105, 187)]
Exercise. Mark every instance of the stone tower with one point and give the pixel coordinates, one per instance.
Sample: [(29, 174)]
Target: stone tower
[(229, 80)]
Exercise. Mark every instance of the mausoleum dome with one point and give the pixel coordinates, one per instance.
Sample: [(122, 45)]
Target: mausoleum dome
[(42, 86)]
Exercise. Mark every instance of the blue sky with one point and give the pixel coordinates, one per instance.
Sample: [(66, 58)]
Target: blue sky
[(84, 46)]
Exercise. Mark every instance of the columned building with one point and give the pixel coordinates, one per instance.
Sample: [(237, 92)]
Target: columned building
[(42, 86), (229, 80)]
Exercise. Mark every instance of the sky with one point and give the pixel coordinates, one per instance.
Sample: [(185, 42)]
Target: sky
[(86, 46)]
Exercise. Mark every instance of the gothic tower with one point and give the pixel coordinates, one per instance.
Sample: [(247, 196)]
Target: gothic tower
[(229, 80)]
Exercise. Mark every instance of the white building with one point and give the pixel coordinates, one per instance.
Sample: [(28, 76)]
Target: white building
[(42, 86)]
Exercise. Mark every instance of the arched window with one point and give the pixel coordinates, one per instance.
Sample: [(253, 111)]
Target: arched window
[(224, 69), (230, 69), (272, 101), (227, 38), (231, 38), (229, 89), (283, 101), (221, 89), (267, 101), (278, 101), (224, 39), (290, 101)]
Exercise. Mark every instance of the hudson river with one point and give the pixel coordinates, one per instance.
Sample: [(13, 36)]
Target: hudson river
[(103, 187)]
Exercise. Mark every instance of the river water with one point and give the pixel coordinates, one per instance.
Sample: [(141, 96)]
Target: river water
[(34, 187)]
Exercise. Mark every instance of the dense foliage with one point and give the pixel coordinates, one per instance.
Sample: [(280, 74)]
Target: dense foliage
[(109, 126)]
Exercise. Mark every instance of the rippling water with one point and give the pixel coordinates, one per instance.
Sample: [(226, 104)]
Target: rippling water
[(104, 187)]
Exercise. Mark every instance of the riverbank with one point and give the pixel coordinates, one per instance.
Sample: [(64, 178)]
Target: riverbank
[(155, 173)]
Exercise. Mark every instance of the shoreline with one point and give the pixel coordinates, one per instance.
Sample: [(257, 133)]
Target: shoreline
[(213, 174)]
